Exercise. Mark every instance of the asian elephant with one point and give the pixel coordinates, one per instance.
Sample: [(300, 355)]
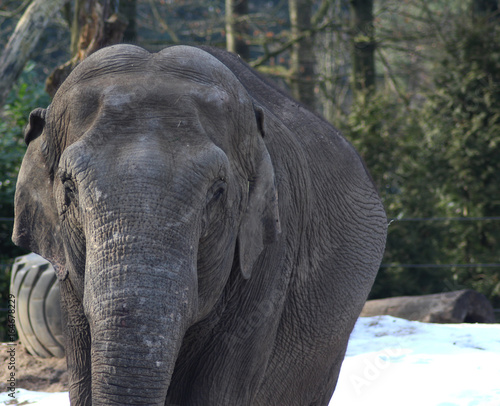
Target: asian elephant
[(214, 240)]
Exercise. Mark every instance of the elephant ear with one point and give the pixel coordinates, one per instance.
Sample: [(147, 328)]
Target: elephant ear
[(35, 125), (36, 225), (260, 224)]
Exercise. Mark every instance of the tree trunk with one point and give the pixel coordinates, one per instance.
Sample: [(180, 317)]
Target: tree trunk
[(481, 8), (237, 28), (363, 42), (23, 42), (303, 61), (129, 9), (96, 24), (77, 24)]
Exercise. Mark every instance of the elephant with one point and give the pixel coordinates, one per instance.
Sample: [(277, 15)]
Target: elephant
[(215, 241)]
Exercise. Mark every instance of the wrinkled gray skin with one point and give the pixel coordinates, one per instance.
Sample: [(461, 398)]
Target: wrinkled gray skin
[(214, 240)]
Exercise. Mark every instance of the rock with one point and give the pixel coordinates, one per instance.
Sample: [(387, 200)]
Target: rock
[(462, 306)]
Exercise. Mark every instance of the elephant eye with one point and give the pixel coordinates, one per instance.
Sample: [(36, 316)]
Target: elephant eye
[(216, 191), (69, 191)]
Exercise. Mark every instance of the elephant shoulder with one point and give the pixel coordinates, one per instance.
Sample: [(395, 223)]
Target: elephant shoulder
[(322, 147), (261, 89)]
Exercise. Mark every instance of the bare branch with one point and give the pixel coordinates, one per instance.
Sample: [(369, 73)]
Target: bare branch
[(288, 44), (394, 82), (322, 12), (162, 22), (10, 14)]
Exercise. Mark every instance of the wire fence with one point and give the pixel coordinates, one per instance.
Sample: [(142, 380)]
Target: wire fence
[(391, 265), (410, 219), (441, 219), (413, 219), (494, 265), (396, 219)]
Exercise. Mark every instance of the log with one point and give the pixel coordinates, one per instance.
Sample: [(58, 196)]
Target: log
[(23, 42), (462, 306)]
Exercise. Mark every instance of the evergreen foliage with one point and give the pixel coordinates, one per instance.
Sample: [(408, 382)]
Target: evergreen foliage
[(429, 133), (462, 125), (437, 159)]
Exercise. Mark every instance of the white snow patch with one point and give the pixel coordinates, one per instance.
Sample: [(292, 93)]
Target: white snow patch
[(394, 362), (25, 397), (391, 362)]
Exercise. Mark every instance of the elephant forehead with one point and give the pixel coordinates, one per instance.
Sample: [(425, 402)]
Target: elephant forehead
[(170, 108), (149, 73), (193, 63), (187, 60), (141, 92)]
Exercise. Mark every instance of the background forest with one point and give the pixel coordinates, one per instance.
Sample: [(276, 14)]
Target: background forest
[(413, 84)]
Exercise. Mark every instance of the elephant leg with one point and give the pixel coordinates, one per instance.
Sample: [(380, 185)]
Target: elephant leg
[(234, 378), (310, 345), (77, 346), (330, 382), (227, 367), (308, 376)]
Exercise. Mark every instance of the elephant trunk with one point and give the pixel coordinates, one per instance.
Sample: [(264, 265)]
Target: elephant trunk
[(139, 305), (141, 229)]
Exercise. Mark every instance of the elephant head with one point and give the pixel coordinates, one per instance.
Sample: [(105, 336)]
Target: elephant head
[(145, 183)]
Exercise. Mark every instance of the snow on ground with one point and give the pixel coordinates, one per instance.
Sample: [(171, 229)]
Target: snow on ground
[(393, 362), (26, 397)]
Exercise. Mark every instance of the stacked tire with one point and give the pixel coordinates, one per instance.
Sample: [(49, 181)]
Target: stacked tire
[(38, 310)]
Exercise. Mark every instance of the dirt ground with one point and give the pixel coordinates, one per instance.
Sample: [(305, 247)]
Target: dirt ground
[(33, 373)]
